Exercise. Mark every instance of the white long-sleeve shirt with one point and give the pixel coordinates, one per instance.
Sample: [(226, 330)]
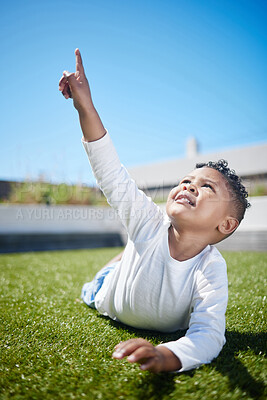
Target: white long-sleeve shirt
[(149, 289)]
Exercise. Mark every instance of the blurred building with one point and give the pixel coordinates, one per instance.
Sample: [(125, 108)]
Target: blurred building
[(31, 227), (249, 162)]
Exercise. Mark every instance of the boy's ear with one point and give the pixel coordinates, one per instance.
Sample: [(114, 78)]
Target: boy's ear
[(228, 225)]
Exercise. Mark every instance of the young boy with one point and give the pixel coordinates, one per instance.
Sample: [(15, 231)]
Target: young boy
[(170, 275)]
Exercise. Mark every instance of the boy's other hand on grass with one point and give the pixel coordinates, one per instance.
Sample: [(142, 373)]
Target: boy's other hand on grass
[(75, 85), (154, 359)]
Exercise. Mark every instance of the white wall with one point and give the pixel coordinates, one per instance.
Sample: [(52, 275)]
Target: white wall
[(17, 219)]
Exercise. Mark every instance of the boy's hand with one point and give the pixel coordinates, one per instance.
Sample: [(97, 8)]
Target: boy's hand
[(75, 85), (154, 359)]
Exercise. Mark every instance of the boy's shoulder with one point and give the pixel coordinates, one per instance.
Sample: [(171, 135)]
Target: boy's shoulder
[(214, 252), (212, 269), (212, 258)]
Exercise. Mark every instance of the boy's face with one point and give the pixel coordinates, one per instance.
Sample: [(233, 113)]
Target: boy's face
[(200, 202)]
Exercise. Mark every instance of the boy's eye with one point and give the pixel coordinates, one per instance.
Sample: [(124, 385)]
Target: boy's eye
[(208, 186), (186, 181)]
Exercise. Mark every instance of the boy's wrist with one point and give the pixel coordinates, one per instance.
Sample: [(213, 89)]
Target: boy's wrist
[(87, 111), (170, 362), (91, 124)]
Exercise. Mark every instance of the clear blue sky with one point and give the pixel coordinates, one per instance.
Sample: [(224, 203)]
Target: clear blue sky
[(160, 72)]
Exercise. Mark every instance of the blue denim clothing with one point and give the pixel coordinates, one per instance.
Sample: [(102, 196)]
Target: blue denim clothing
[(90, 289)]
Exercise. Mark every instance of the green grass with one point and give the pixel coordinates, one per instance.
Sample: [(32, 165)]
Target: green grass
[(54, 347)]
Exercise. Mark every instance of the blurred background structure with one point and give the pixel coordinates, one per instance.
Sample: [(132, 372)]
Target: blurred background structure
[(164, 76), (65, 217), (250, 163)]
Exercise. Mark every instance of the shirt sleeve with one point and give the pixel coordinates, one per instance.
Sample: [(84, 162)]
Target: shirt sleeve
[(204, 338), (140, 216)]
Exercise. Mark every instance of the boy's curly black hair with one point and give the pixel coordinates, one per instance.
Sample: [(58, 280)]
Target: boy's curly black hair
[(238, 190)]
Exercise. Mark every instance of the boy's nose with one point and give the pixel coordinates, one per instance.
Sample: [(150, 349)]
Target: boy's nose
[(191, 188)]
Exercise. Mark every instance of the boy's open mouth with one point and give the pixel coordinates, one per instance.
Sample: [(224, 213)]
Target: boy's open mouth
[(185, 198)]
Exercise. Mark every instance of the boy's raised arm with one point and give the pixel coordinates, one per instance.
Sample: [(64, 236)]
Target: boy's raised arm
[(139, 215), (75, 85)]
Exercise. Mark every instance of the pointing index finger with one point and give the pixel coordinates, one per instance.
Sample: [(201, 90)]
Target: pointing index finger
[(79, 63)]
